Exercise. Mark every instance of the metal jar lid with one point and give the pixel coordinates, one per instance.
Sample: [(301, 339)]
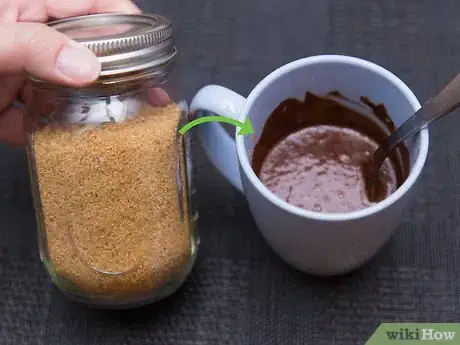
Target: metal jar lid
[(123, 43)]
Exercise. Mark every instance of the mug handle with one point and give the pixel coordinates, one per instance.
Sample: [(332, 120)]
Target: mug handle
[(218, 144)]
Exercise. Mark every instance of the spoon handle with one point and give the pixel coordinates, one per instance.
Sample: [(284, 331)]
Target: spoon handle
[(447, 100)]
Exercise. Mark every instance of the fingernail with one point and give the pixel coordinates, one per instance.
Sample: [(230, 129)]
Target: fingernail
[(78, 63)]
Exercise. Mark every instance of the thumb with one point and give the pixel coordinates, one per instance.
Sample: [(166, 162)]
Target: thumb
[(47, 54)]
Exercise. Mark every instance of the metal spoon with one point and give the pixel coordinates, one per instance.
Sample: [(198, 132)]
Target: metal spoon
[(447, 100)]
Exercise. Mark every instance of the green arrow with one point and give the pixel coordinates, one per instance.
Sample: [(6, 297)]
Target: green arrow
[(245, 127)]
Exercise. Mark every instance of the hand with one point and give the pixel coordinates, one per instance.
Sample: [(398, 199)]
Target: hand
[(29, 46)]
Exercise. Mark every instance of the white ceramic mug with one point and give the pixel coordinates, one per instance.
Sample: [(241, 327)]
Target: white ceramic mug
[(317, 243)]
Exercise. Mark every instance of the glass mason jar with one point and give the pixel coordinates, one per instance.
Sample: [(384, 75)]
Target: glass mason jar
[(111, 176)]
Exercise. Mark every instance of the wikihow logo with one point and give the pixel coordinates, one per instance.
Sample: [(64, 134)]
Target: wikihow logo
[(416, 333)]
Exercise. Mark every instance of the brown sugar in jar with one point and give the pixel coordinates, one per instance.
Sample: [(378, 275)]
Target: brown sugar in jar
[(111, 178)]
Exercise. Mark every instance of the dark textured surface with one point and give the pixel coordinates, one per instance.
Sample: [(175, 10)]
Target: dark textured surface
[(240, 292)]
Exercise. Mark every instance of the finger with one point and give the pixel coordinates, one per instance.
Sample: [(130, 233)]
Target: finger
[(8, 13), (10, 87), (41, 10), (158, 97), (26, 94), (69, 8), (123, 6), (11, 127), (47, 54), (12, 11), (31, 11)]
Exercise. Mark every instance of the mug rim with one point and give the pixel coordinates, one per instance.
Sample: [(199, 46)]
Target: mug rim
[(342, 216)]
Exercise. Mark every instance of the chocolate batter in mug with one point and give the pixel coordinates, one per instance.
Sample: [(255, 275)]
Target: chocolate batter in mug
[(333, 241), (311, 152)]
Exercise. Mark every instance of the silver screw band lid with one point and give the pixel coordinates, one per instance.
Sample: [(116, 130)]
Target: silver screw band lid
[(123, 43)]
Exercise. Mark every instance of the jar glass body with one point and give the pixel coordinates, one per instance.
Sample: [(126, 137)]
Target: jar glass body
[(111, 179)]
